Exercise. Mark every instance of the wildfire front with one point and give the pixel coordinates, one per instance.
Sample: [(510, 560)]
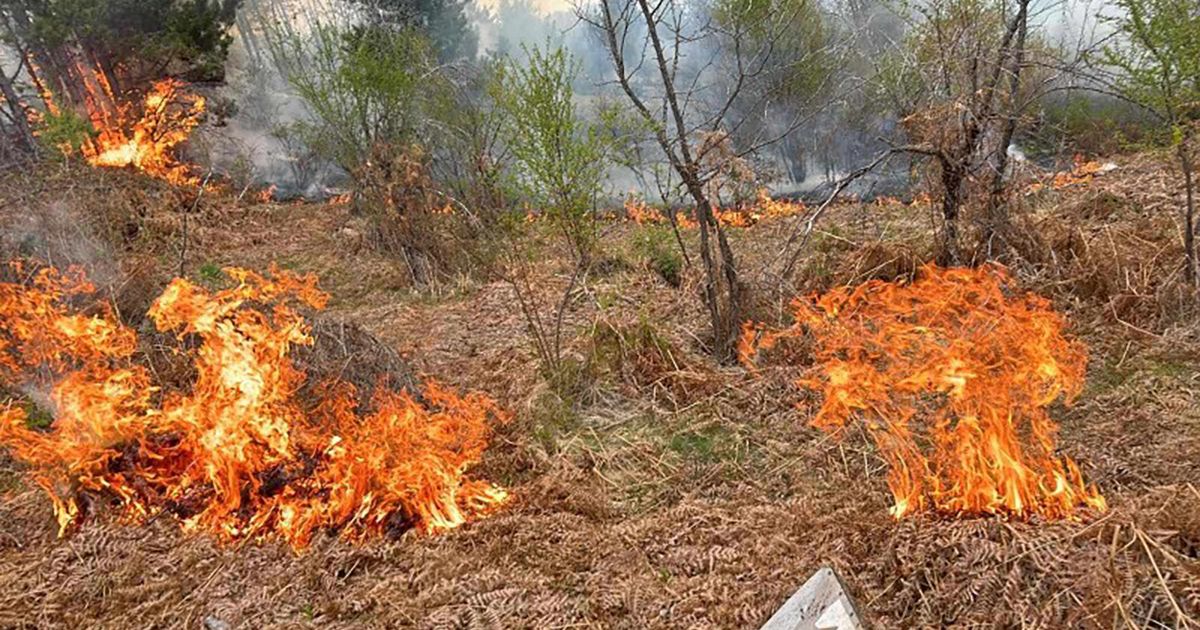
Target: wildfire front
[(238, 452), (952, 376)]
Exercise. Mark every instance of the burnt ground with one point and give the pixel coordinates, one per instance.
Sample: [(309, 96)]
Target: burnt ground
[(665, 491)]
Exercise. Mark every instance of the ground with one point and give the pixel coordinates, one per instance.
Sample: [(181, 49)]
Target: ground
[(669, 491)]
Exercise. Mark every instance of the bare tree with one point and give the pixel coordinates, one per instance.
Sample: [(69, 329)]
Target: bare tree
[(957, 85), (691, 76), (15, 130)]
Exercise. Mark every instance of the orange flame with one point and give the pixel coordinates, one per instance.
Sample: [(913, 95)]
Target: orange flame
[(146, 143), (126, 135), (637, 211), (267, 195), (238, 454), (960, 362), (764, 207), (1082, 172)]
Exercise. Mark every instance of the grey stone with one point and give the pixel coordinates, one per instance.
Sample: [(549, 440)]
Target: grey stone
[(821, 604), (213, 623)]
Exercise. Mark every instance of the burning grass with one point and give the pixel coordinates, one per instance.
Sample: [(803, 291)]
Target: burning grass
[(237, 454), (952, 375)]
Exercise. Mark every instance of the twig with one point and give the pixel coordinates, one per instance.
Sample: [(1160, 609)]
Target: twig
[(1184, 620), (800, 237)]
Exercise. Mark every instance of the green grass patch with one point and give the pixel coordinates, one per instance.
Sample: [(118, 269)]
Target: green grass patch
[(211, 274), (37, 418)]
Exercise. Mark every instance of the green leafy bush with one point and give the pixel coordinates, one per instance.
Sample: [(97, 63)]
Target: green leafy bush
[(656, 245), (64, 132)]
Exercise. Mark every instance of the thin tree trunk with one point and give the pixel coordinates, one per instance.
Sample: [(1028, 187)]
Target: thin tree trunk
[(722, 305), (1189, 232), (997, 214), (952, 184), (687, 259), (16, 110), (712, 291)]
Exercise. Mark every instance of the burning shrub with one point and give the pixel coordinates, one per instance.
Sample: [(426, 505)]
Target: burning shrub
[(120, 133), (146, 140), (951, 375), (238, 454)]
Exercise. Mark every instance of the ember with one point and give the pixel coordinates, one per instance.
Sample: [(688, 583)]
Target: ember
[(951, 375), (238, 454)]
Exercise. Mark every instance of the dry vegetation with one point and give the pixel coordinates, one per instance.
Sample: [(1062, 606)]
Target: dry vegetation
[(660, 489)]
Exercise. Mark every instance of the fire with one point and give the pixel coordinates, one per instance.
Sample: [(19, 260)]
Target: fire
[(139, 135), (641, 214), (764, 207), (267, 195), (736, 218), (146, 142), (1082, 173), (779, 208), (951, 375), (238, 453)]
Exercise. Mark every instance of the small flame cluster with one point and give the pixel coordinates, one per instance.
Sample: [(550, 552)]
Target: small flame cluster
[(146, 139), (237, 454), (1082, 173), (763, 208), (952, 375)]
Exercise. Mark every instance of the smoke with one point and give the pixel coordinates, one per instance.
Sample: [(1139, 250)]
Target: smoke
[(56, 234), (840, 127), (258, 145)]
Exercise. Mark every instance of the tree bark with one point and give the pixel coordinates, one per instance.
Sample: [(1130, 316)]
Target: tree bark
[(953, 175), (16, 111), (997, 212), (1189, 233)]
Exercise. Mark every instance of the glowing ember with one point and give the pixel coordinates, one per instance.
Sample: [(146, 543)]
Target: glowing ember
[(343, 199), (238, 453), (951, 375)]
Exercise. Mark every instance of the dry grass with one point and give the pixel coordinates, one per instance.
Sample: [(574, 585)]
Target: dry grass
[(668, 491)]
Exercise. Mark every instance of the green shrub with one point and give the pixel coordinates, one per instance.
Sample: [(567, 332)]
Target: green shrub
[(211, 274), (656, 245), (1092, 126), (65, 131), (37, 418)]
